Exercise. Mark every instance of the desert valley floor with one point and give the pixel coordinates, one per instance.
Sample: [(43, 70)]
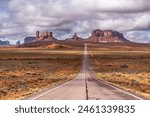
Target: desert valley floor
[(26, 71)]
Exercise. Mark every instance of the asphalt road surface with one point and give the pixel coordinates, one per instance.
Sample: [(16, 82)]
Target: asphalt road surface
[(85, 87)]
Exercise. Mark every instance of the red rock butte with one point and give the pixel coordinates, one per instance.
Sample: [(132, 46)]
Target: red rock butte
[(102, 36), (45, 36), (106, 36)]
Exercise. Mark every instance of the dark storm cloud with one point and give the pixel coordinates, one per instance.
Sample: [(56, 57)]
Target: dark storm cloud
[(20, 18)]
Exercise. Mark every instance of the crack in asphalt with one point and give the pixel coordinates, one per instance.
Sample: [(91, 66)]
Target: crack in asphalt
[(85, 76), (86, 88)]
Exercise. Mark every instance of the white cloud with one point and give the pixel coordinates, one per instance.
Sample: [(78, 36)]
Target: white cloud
[(138, 36), (24, 17), (143, 22)]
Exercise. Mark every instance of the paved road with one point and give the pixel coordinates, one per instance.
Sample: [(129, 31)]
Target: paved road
[(85, 87)]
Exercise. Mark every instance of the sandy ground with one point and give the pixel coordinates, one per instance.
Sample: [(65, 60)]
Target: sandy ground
[(27, 71), (129, 70)]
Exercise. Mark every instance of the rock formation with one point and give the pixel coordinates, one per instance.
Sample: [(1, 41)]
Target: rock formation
[(45, 36), (28, 39), (106, 36), (75, 38), (97, 35), (18, 43), (4, 42)]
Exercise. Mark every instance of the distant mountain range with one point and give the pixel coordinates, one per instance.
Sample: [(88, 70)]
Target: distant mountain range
[(3, 43), (28, 39), (97, 35)]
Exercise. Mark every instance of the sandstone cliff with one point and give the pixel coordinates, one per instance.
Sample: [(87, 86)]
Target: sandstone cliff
[(45, 36), (106, 36), (97, 35)]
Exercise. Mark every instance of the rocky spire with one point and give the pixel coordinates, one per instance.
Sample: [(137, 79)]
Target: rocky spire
[(75, 37)]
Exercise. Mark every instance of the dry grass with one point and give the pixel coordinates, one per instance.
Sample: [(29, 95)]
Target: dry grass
[(26, 71), (129, 70), (56, 46)]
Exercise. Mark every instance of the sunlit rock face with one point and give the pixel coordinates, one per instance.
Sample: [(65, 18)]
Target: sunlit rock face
[(44, 36), (106, 36)]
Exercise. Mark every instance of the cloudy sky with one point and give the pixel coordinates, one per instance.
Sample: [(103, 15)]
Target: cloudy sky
[(21, 18)]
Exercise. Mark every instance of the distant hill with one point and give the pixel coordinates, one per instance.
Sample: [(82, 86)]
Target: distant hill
[(28, 39), (4, 42), (57, 46), (18, 43)]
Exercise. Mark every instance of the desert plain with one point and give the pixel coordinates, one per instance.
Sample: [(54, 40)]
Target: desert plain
[(26, 71)]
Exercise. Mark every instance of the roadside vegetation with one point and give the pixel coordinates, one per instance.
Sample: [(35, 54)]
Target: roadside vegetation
[(129, 70), (27, 71)]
